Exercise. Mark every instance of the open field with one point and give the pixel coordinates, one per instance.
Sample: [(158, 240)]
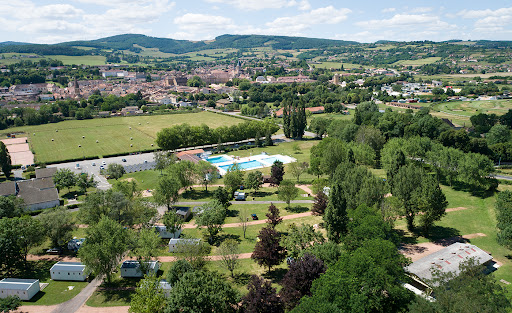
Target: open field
[(337, 65), (418, 62), (470, 108), (113, 134)]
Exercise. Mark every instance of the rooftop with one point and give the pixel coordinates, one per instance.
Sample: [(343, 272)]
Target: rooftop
[(45, 172), (68, 266), (17, 283)]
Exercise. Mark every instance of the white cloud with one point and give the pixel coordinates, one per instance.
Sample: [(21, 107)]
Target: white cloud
[(388, 10), (421, 10), (485, 13), (406, 20), (257, 4)]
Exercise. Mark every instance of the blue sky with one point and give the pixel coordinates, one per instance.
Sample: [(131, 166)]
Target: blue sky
[(49, 21)]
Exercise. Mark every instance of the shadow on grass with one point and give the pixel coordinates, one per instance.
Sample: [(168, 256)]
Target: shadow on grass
[(443, 235), (232, 212), (473, 190), (37, 270), (220, 238), (406, 237), (196, 194), (276, 275), (124, 295), (261, 194), (297, 209)]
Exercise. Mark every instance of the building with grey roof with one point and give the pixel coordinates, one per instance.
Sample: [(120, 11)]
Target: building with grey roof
[(8, 188), (132, 268), (25, 289), (47, 172), (39, 193), (71, 271), (447, 260)]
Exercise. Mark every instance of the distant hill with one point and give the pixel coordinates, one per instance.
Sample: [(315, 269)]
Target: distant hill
[(13, 43), (127, 41)]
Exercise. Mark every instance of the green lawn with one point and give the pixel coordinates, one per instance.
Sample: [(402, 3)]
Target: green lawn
[(418, 62), (83, 59), (113, 134)]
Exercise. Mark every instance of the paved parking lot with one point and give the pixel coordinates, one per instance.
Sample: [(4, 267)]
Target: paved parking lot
[(92, 167)]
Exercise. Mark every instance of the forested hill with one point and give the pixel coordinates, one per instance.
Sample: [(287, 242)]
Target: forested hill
[(127, 42)]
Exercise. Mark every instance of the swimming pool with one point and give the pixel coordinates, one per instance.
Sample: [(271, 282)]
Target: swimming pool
[(244, 165), (272, 159), (218, 159)]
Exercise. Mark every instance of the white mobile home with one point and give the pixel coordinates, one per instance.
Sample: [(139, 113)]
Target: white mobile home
[(25, 289), (73, 271), (163, 233), (173, 243), (166, 288), (132, 268)]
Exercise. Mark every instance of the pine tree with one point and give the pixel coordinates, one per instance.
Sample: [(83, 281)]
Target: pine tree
[(5, 160)]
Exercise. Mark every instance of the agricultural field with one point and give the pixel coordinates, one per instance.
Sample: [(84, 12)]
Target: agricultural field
[(459, 112), (114, 135), (337, 65), (84, 59), (418, 62)]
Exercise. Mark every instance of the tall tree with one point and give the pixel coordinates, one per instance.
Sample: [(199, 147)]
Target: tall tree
[(58, 225), (212, 217), (11, 206), (300, 239), (297, 169), (298, 280), (202, 291), (83, 182), (105, 245), (193, 252), (5, 160), (206, 173), (172, 221), (10, 303), (145, 246), (268, 250), (148, 296), (222, 195), (64, 178), (243, 218), (320, 204), (115, 171), (234, 178), (503, 208), (163, 159), (229, 251), (287, 191), (277, 173), (254, 180), (177, 270), (262, 297), (167, 190), (273, 216)]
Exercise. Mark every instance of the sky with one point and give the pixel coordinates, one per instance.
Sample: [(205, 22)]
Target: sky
[(50, 21)]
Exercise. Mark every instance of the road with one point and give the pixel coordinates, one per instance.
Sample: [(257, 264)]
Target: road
[(74, 304)]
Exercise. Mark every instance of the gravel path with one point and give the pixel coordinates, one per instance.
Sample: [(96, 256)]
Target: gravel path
[(73, 305)]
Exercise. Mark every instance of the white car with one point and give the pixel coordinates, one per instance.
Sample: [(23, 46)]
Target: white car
[(93, 164), (104, 163), (102, 167)]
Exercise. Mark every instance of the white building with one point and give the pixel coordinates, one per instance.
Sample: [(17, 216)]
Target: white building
[(173, 243), (25, 289), (166, 288), (73, 271), (163, 233), (132, 268)]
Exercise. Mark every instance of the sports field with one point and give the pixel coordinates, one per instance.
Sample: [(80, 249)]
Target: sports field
[(114, 135)]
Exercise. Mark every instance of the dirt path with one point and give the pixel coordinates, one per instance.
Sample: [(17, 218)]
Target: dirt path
[(112, 309), (262, 221), (73, 305), (420, 250), (36, 308)]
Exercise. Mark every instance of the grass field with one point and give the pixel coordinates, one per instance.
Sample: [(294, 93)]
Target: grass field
[(418, 62), (470, 108), (337, 65), (113, 134)]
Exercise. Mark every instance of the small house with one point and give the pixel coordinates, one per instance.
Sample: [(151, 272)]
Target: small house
[(132, 268), (184, 213), (173, 243), (161, 230), (166, 288), (72, 271), (25, 289)]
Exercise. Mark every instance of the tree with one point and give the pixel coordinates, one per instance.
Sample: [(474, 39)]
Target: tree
[(115, 171), (470, 289), (11, 206), (83, 182), (58, 225), (167, 190), (319, 126), (193, 252), (300, 239), (129, 189), (172, 221), (234, 178), (503, 207), (212, 217), (298, 280), (277, 173), (497, 134), (254, 180), (268, 139), (64, 178), (262, 297), (273, 216), (243, 217), (220, 194), (5, 160), (31, 234), (320, 204), (367, 280), (163, 159), (11, 257), (105, 245), (430, 201), (207, 173), (10, 303), (287, 191), (298, 169), (202, 291), (268, 251), (228, 251), (177, 270), (405, 182), (148, 296), (185, 171), (145, 246)]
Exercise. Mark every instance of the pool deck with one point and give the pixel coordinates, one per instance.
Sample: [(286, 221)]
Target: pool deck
[(259, 158)]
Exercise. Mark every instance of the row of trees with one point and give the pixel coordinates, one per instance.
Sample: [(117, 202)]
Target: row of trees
[(294, 119), (184, 135)]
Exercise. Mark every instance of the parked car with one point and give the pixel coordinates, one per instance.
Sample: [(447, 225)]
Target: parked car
[(102, 167), (93, 164), (77, 165), (104, 163), (54, 251), (254, 216), (124, 160)]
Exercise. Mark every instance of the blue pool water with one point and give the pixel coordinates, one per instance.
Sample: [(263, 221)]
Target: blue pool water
[(272, 159), (218, 159), (244, 165)]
